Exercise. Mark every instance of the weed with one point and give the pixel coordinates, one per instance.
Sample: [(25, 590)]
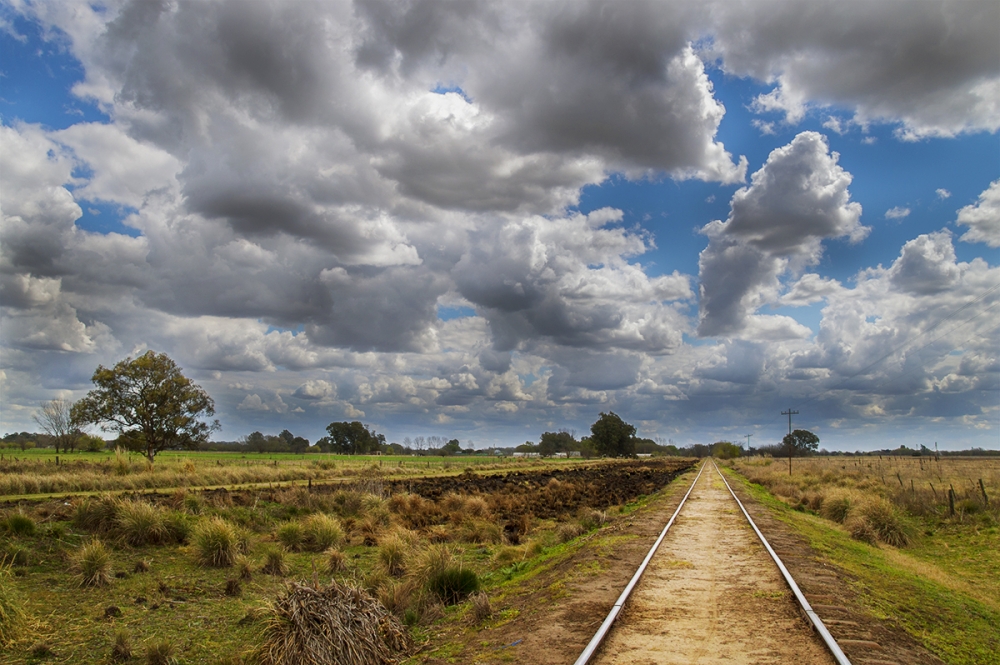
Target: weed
[(216, 543), (161, 652), (453, 584), (19, 524), (320, 532), (481, 609), (140, 523), (275, 562), (336, 561), (92, 564), (291, 535), (121, 647)]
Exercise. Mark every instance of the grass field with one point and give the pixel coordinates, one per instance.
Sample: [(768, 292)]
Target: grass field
[(41, 471), (938, 579), (195, 570)]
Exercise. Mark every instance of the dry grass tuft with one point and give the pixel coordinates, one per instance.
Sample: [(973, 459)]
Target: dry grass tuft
[(481, 609), (337, 624), (321, 532), (12, 616), (885, 521), (161, 653), (837, 505), (392, 554), (217, 543), (92, 563), (336, 561), (121, 648), (275, 562)]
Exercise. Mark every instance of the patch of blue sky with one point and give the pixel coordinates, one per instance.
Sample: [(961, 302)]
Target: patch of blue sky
[(447, 313), (37, 74), (103, 217), (442, 89), (808, 315)]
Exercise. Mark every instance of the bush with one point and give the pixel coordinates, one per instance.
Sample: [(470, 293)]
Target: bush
[(12, 615), (321, 532), (140, 523), (392, 554), (19, 524), (453, 584), (837, 506), (337, 624), (216, 543), (92, 563)]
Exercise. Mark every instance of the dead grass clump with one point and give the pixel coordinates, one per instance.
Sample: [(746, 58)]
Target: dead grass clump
[(244, 567), (291, 535), (121, 648), (591, 518), (861, 529), (347, 502), (161, 653), (397, 596), (234, 587), (481, 610), (432, 561), (885, 521), (476, 506), (413, 509), (568, 531), (95, 515), (336, 561), (392, 554), (481, 531), (439, 533), (337, 624)]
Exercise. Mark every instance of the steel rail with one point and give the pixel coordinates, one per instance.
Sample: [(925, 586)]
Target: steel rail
[(598, 637), (817, 623)]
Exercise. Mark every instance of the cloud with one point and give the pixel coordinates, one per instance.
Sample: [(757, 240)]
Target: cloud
[(795, 201), (983, 217), (942, 193), (897, 212), (932, 68)]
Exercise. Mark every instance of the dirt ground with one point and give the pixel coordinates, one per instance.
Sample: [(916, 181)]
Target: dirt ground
[(551, 617), (712, 594)]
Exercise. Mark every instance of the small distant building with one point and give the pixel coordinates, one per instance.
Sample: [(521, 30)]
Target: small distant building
[(526, 455), (574, 453), (641, 455), (560, 455)]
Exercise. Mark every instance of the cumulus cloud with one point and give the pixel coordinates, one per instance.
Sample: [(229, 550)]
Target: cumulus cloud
[(983, 217), (942, 193), (932, 68), (897, 212), (797, 199)]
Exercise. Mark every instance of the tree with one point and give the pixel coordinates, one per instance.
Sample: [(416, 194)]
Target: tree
[(556, 442), (151, 405), (350, 438), (800, 442), (725, 450), (56, 418), (612, 436), (453, 447)]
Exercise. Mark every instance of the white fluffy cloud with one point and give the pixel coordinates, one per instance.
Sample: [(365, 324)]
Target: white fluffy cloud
[(983, 217), (795, 201)]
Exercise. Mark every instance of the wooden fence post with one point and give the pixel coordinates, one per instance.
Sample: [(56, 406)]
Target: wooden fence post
[(951, 501), (982, 488)]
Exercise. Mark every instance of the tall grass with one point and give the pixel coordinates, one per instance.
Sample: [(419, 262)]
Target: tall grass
[(92, 563), (12, 615), (217, 543)]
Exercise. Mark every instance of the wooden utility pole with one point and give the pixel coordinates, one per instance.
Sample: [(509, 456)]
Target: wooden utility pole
[(790, 413), (747, 437)]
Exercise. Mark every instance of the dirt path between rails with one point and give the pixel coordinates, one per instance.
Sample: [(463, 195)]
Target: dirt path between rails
[(712, 594)]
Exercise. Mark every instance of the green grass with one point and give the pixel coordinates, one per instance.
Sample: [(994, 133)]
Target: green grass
[(943, 590)]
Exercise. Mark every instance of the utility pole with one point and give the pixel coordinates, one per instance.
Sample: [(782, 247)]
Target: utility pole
[(747, 437), (791, 450)]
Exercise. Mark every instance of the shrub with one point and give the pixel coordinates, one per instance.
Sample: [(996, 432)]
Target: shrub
[(320, 532), (92, 563), (216, 543), (121, 648), (140, 523), (275, 562), (12, 617), (160, 653), (291, 535), (337, 624), (885, 521), (20, 524), (568, 531), (453, 584)]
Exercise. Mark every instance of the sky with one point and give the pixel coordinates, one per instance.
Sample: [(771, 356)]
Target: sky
[(488, 220)]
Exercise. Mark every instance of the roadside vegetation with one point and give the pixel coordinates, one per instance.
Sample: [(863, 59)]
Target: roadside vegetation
[(921, 535)]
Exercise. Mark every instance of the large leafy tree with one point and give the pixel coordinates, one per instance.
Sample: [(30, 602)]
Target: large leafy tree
[(556, 442), (149, 403), (612, 436), (798, 443), (350, 438)]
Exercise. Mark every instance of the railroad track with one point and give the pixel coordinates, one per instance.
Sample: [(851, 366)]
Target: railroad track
[(705, 592)]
